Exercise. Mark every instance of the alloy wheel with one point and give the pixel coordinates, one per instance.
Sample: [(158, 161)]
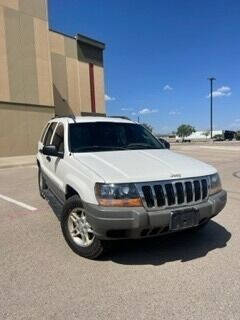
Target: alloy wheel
[(80, 230)]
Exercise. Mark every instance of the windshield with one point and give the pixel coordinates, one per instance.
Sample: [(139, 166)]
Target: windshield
[(109, 136)]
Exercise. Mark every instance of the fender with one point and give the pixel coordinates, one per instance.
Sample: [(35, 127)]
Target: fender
[(85, 188)]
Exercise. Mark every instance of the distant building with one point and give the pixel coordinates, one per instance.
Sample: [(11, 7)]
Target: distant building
[(206, 135), (43, 73)]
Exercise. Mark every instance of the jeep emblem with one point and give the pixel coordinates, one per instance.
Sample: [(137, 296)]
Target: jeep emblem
[(176, 176)]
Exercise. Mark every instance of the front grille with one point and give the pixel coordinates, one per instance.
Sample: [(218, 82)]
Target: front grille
[(170, 194), (158, 195)]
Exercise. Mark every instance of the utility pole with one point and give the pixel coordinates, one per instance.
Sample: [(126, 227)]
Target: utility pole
[(138, 119), (211, 104)]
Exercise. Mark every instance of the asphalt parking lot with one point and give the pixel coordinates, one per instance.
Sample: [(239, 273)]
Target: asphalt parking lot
[(183, 276)]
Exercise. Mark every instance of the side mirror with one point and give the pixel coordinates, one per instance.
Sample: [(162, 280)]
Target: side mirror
[(165, 143), (51, 151)]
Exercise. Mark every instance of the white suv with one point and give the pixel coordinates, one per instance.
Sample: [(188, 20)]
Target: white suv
[(114, 180)]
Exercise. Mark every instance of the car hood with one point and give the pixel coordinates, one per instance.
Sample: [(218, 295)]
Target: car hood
[(143, 165)]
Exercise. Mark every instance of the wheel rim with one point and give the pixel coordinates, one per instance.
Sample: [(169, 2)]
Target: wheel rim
[(80, 230)]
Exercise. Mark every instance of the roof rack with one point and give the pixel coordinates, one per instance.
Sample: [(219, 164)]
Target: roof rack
[(121, 117), (72, 116)]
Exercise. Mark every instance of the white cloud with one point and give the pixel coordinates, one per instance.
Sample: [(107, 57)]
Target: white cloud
[(221, 92), (133, 113), (147, 111), (108, 98), (167, 87), (224, 89), (126, 109), (174, 113)]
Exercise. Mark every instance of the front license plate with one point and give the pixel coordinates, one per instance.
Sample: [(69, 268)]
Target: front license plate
[(183, 219)]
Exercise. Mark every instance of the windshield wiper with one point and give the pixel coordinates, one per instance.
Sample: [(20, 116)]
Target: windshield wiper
[(98, 148), (140, 146)]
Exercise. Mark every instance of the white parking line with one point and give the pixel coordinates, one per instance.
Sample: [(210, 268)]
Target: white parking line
[(20, 204), (224, 148)]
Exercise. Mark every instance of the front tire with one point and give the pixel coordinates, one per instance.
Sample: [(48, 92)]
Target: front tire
[(77, 231)]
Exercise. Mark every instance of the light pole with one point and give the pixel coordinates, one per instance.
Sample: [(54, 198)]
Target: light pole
[(211, 104)]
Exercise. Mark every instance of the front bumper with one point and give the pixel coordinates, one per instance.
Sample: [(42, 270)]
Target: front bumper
[(134, 223)]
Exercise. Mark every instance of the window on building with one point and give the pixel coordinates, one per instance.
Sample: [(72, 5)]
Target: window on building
[(49, 134), (58, 138)]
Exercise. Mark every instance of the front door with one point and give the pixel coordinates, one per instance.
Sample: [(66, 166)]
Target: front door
[(54, 164)]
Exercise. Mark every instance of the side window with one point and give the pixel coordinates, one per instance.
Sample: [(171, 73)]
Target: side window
[(58, 139), (49, 134), (44, 132)]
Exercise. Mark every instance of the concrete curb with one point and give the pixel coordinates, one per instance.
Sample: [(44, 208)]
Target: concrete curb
[(17, 165), (17, 162)]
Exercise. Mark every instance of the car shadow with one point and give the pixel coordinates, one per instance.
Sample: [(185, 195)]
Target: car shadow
[(184, 246)]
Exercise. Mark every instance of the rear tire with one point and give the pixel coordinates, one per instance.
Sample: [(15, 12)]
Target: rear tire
[(77, 231), (41, 183)]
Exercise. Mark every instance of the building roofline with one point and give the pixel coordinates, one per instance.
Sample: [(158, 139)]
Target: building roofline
[(81, 38), (90, 41), (63, 34)]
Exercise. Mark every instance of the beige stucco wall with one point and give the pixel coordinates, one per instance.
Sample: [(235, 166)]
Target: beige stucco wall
[(56, 43), (71, 81), (43, 62), (84, 85), (73, 85), (99, 88), (4, 77), (65, 71), (65, 77), (24, 53), (21, 127), (13, 4), (41, 73)]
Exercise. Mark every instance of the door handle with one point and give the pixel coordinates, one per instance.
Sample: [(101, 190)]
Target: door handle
[(48, 158)]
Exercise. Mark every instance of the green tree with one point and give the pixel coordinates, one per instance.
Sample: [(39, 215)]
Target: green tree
[(148, 126), (185, 130), (238, 135)]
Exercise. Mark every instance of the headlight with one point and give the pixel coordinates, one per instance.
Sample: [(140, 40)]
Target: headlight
[(215, 183), (117, 195)]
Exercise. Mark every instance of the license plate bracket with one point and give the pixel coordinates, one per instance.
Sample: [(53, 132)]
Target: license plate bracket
[(183, 219)]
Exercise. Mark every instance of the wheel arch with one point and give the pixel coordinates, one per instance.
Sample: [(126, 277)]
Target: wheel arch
[(70, 191)]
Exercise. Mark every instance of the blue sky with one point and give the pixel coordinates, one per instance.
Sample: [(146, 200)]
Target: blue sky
[(159, 55)]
